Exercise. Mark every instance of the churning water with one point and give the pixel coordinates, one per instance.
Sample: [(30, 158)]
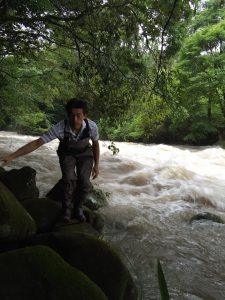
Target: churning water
[(154, 191)]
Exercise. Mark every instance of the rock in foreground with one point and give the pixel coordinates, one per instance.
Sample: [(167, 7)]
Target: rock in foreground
[(38, 273), (16, 224)]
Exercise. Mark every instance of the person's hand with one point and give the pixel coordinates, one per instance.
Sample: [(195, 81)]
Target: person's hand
[(95, 172), (6, 160)]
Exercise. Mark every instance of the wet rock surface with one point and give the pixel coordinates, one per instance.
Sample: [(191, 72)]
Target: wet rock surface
[(42, 258)]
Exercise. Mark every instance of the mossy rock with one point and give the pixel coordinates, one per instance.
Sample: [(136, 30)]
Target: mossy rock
[(76, 227), (21, 182), (39, 273), (95, 219), (96, 259), (95, 199), (16, 224), (47, 212), (44, 211)]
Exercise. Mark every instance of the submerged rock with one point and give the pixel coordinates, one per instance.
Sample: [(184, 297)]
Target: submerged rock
[(207, 216), (39, 273), (16, 224)]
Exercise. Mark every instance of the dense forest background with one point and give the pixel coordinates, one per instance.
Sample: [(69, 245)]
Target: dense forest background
[(152, 71)]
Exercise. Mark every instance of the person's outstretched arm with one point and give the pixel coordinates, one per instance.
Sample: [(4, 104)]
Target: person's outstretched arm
[(30, 147)]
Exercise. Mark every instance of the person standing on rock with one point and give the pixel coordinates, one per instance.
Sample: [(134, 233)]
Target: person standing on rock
[(77, 157)]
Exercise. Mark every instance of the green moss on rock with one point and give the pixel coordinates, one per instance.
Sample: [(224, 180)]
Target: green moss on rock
[(16, 224), (76, 227), (96, 259), (96, 199), (95, 219), (44, 211), (39, 273)]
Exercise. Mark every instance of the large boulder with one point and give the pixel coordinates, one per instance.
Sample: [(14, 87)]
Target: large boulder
[(44, 211), (16, 224), (96, 198), (96, 258), (21, 182), (76, 227), (56, 193), (40, 273)]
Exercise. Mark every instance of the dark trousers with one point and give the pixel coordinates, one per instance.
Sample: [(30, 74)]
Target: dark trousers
[(76, 172)]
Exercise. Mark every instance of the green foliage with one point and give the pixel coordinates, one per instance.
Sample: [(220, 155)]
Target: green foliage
[(128, 131), (162, 282), (211, 13), (32, 123), (110, 53), (197, 78), (141, 123), (32, 92), (200, 132)]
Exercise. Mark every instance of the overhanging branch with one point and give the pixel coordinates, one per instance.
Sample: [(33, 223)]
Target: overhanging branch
[(159, 67)]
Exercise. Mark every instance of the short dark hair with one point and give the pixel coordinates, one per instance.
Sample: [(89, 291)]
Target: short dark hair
[(76, 103)]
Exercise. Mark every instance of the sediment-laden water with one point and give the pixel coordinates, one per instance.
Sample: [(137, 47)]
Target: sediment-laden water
[(154, 191)]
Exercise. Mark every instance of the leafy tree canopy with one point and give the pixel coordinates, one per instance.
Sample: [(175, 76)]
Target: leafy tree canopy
[(199, 74)]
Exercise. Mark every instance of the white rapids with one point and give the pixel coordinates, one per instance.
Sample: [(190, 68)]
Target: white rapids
[(154, 191)]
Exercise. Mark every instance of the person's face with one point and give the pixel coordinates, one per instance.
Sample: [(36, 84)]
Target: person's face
[(76, 117)]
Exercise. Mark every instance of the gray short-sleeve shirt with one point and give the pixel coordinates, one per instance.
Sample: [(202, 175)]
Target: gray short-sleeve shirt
[(57, 131)]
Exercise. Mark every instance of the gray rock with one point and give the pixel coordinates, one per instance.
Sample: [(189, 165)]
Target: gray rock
[(16, 224), (207, 216)]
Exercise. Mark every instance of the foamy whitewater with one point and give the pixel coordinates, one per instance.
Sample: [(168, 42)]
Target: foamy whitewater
[(154, 190)]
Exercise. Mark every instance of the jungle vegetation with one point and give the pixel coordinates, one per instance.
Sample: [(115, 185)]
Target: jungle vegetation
[(152, 71)]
